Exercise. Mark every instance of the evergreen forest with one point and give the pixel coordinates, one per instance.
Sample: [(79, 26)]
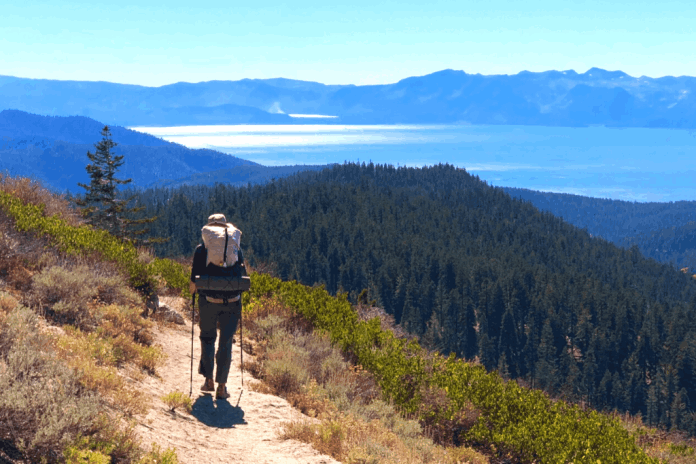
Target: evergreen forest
[(470, 271), (664, 231)]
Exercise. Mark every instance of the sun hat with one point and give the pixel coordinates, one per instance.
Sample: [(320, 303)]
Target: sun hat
[(217, 218)]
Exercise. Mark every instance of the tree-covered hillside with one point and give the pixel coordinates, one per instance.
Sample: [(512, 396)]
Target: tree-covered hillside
[(474, 272), (663, 231)]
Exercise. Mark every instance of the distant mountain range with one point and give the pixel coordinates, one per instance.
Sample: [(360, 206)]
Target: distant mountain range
[(552, 98), (54, 151)]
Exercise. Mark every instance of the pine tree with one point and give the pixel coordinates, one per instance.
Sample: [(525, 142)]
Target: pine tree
[(652, 406), (546, 368), (100, 205), (468, 337), (508, 344)]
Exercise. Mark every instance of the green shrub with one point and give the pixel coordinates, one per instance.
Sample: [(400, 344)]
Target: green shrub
[(157, 456), (681, 450), (74, 455), (177, 399)]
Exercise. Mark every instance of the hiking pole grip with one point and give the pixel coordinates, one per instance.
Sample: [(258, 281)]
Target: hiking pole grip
[(193, 318)]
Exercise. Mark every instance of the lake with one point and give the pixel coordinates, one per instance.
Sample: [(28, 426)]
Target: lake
[(631, 164)]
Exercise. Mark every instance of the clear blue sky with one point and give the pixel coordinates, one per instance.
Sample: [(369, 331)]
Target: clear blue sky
[(359, 42)]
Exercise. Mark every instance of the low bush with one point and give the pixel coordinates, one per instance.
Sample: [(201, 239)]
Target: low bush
[(74, 455), (43, 406), (95, 358), (18, 253), (7, 304), (71, 294), (120, 320), (673, 447), (177, 399), (49, 406), (159, 456)]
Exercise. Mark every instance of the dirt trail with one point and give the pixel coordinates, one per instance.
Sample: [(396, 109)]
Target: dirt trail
[(218, 430)]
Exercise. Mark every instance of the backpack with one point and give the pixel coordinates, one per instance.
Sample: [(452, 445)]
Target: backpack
[(222, 243), (225, 276)]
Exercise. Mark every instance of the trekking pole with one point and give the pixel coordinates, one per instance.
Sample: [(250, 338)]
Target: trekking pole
[(241, 341), (193, 318), (241, 351)]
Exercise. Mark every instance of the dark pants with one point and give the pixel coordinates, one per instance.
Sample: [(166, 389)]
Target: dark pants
[(227, 315)]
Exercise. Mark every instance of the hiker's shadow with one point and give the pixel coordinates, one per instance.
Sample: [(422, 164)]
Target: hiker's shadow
[(219, 413)]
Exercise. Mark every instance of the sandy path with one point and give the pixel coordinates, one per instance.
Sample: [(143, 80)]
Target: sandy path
[(218, 431)]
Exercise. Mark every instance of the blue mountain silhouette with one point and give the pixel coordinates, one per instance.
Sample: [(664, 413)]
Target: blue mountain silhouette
[(555, 98)]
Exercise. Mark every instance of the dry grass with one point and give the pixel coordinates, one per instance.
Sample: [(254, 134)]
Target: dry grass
[(18, 253), (351, 439), (31, 191), (103, 328), (70, 293), (668, 447), (43, 406), (350, 422), (387, 321)]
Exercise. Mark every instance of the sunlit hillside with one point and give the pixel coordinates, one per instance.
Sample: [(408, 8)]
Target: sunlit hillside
[(72, 310)]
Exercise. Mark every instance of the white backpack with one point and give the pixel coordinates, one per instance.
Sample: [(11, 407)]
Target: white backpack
[(222, 241)]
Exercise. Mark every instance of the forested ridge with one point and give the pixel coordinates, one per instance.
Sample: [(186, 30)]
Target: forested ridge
[(663, 231), (471, 271)]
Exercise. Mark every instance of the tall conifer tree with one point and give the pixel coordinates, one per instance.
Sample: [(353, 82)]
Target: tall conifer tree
[(100, 204)]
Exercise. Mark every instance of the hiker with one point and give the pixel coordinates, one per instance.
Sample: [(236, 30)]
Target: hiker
[(221, 310)]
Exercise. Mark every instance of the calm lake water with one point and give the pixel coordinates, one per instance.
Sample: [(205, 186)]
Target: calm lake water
[(625, 164)]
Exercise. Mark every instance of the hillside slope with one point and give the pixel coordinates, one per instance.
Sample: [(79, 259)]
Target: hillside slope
[(20, 125), (53, 150), (662, 231)]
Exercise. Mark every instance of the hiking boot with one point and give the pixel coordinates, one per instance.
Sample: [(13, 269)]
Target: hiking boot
[(208, 385), (221, 393)]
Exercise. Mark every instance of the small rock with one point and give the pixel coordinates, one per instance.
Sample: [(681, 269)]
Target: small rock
[(169, 315)]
